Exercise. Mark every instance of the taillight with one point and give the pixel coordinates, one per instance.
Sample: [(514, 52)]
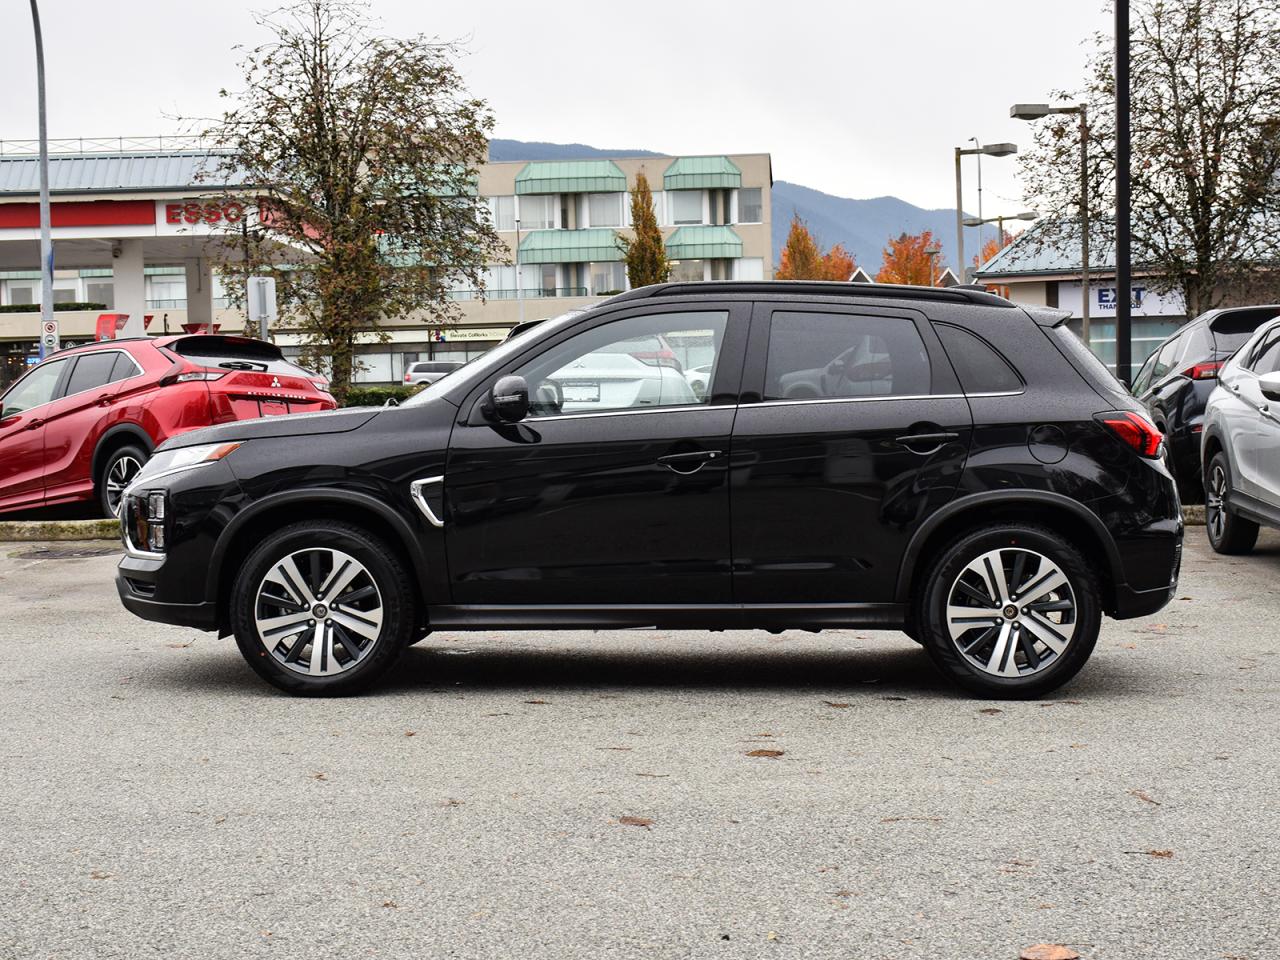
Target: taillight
[(198, 375), (323, 385), (1204, 371), (1134, 430), (407, 376)]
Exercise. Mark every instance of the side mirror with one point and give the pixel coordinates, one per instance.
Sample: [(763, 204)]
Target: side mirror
[(1269, 384), (509, 399)]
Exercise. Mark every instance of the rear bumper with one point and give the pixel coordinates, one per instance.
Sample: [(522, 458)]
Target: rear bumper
[(1158, 554)]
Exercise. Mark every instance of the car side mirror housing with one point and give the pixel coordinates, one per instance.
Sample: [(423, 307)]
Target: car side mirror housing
[(509, 399), (1269, 384)]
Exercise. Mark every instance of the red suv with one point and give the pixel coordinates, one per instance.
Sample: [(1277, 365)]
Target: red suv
[(80, 425)]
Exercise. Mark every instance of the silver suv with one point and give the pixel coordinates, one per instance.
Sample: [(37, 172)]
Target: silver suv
[(429, 371), (1240, 448)]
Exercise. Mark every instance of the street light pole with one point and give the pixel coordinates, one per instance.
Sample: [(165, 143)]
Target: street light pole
[(990, 150), (1034, 111), (49, 341), (519, 286), (1123, 278)]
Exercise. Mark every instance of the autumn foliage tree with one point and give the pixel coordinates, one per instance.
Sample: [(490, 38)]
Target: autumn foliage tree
[(905, 260), (367, 149), (802, 258), (646, 255)]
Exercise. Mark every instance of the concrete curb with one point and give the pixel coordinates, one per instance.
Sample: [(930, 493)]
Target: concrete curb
[(33, 530), (30, 530)]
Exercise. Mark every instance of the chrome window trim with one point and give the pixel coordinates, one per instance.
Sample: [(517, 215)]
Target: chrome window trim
[(882, 398), (674, 408), (415, 493)]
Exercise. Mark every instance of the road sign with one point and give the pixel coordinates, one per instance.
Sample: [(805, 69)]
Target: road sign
[(50, 327), (49, 341)]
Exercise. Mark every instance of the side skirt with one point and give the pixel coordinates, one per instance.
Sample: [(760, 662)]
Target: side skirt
[(728, 616)]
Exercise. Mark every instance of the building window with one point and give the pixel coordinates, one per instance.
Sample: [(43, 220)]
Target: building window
[(101, 291), (749, 268), (683, 271), (538, 212), (20, 292), (607, 278), (750, 205), (502, 211), (166, 292), (64, 294), (686, 206), (604, 209)]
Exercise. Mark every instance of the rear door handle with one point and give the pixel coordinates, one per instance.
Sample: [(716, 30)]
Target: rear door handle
[(690, 462)]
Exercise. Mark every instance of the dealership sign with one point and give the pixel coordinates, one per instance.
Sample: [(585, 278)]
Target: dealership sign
[(1104, 297)]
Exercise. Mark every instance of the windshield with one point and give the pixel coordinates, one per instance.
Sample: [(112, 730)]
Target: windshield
[(494, 358)]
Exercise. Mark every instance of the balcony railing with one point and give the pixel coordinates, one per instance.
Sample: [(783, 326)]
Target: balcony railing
[(19, 148), (172, 304), (531, 293)]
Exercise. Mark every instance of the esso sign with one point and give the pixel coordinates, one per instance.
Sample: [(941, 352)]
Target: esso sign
[(204, 211)]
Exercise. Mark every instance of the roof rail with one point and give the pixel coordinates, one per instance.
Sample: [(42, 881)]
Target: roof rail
[(967, 293)]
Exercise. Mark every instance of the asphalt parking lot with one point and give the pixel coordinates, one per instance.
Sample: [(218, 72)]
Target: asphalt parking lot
[(594, 795)]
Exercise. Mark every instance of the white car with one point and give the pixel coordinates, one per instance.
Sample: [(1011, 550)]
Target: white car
[(699, 379), (1240, 445), (617, 381), (429, 371)]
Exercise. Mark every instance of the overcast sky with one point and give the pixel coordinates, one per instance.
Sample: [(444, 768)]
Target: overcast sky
[(856, 98)]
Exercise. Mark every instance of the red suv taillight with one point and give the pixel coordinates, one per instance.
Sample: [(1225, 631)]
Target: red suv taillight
[(1208, 370), (1133, 430)]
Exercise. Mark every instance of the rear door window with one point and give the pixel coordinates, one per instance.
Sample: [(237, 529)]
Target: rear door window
[(1165, 359), (91, 370), (817, 356), (979, 365)]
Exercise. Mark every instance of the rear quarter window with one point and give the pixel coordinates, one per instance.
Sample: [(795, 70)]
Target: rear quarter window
[(980, 367)]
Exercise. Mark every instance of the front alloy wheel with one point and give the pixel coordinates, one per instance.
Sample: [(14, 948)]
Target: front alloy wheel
[(318, 612), (322, 607)]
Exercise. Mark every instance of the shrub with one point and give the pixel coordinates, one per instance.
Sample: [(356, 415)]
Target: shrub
[(377, 396), (35, 307)]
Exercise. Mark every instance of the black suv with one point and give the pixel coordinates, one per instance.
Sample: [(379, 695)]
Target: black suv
[(940, 462), (1176, 380)]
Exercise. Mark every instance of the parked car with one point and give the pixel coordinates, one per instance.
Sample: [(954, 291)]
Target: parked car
[(1176, 380), (1000, 494), (80, 425), (1241, 449), (429, 371)]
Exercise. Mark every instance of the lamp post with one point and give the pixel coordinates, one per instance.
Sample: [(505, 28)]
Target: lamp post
[(49, 341), (932, 252), (1034, 111), (999, 220), (990, 150), (1124, 298)]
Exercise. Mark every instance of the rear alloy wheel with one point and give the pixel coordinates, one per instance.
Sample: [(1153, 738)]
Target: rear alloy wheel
[(117, 473), (321, 608), (1011, 612), (1228, 533)]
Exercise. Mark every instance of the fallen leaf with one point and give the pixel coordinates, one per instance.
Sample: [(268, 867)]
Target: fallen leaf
[(1048, 951), (178, 646), (990, 711), (1159, 854), (451, 803), (771, 935), (766, 753), (893, 698), (388, 903), (613, 748), (539, 702), (656, 775), (837, 706), (319, 776), (636, 822), (1142, 795), (911, 820), (99, 875)]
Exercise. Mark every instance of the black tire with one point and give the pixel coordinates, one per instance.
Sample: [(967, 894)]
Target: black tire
[(382, 568), (1050, 669), (119, 467), (1228, 534)]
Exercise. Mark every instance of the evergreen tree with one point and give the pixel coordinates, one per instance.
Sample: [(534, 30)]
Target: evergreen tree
[(646, 254)]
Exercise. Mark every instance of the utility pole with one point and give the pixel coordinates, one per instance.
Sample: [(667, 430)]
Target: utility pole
[(1124, 361), (49, 339)]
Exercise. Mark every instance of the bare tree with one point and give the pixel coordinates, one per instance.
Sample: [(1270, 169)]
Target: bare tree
[(1205, 88), (366, 150)]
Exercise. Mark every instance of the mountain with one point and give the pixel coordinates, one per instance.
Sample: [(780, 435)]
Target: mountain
[(863, 226)]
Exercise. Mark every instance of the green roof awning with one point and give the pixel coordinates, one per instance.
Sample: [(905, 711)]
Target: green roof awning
[(571, 176), (570, 246), (702, 173), (703, 243)]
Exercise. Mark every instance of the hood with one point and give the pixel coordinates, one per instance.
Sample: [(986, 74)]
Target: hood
[(266, 428)]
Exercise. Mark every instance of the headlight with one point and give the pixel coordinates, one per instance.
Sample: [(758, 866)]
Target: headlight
[(142, 521), (169, 461)]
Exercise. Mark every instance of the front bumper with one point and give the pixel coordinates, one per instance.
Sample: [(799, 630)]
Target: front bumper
[(133, 585)]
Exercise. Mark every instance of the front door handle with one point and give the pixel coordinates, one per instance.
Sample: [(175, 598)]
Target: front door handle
[(690, 462), (937, 439), (34, 424), (103, 400)]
